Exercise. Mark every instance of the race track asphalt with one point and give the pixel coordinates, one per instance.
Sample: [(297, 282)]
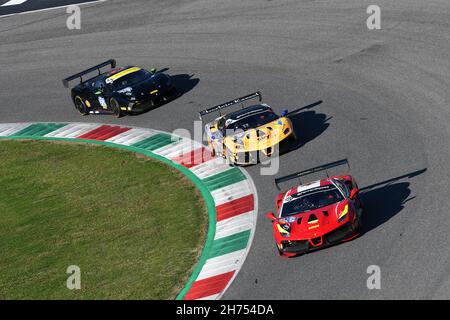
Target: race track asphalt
[(385, 106)]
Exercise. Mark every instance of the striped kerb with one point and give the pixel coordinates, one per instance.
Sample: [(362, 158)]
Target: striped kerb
[(229, 244), (235, 207), (209, 286), (155, 142), (193, 158), (223, 179), (103, 133), (39, 129)]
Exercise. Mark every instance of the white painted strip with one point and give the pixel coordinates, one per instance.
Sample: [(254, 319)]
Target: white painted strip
[(210, 168), (213, 297), (9, 129), (73, 130), (13, 3), (221, 264), (175, 149), (132, 136), (234, 225), (231, 192), (308, 186), (53, 8)]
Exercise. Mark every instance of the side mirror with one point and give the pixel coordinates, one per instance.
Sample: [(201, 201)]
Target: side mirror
[(271, 216), (353, 193), (284, 112)]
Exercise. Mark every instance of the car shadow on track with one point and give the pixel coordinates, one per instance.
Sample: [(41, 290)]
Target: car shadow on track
[(384, 200), (381, 202), (183, 82), (308, 125)]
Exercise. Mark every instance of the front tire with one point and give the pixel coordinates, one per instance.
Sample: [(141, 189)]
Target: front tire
[(227, 156), (115, 108), (80, 106), (213, 151)]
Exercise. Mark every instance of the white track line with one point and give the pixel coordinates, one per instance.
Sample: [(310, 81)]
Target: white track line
[(13, 3), (52, 8)]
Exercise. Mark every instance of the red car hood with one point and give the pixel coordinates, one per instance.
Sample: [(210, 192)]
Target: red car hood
[(316, 223)]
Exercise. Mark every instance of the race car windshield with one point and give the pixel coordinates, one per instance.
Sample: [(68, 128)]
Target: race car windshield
[(311, 201), (130, 79), (253, 120)]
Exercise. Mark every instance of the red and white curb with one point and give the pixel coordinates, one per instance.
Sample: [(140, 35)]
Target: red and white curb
[(235, 201)]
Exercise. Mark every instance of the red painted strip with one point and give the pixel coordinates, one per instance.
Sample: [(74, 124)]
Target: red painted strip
[(194, 157), (235, 207), (104, 132), (209, 286)]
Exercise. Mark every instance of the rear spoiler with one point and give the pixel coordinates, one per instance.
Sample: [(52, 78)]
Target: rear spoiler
[(303, 173), (219, 107), (80, 75)]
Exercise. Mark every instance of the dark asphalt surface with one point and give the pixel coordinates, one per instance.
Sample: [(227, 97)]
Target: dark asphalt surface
[(385, 106)]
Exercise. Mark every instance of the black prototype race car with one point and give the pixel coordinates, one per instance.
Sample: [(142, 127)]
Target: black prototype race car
[(121, 91)]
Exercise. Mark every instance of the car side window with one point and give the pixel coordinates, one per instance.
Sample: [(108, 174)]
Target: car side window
[(343, 187), (349, 184), (221, 125), (98, 85)]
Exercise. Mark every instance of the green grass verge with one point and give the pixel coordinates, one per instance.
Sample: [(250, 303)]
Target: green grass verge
[(135, 226)]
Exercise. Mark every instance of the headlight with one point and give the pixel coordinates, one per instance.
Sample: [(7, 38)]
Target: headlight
[(288, 219), (341, 216), (284, 230), (284, 226)]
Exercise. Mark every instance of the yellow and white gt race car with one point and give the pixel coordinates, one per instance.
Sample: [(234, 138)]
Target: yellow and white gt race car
[(245, 135)]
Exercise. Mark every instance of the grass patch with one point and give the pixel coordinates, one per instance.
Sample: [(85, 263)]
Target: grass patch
[(134, 226)]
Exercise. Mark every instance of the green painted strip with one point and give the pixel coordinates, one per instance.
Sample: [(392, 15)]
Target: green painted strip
[(39, 129), (155, 142), (224, 179), (229, 244), (197, 181)]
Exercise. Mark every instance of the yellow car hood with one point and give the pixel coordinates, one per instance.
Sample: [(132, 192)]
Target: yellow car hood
[(260, 138)]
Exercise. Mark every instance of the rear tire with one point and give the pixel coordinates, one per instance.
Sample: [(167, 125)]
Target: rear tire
[(80, 106), (115, 108)]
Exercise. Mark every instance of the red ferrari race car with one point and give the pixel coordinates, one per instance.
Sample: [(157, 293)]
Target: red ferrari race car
[(317, 214)]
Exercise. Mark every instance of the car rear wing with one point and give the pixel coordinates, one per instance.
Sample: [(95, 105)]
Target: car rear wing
[(307, 172), (80, 75), (219, 107)]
